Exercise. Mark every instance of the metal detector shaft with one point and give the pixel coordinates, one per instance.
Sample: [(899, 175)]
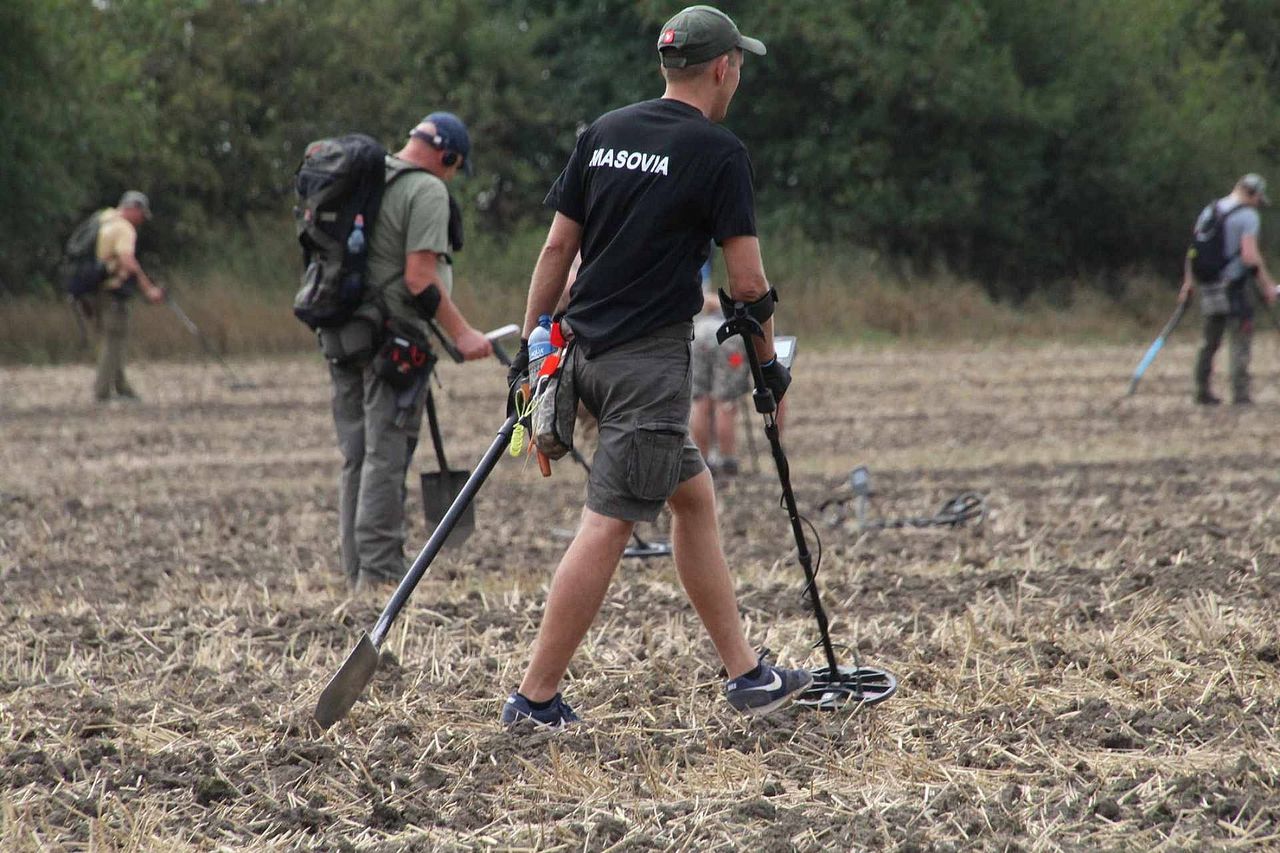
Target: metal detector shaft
[(442, 531), (209, 349), (1156, 346), (741, 323), (342, 691)]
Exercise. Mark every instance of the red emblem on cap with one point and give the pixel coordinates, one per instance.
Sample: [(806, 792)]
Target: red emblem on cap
[(668, 37)]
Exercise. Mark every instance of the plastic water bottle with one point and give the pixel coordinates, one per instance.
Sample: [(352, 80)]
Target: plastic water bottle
[(355, 240), (539, 346)]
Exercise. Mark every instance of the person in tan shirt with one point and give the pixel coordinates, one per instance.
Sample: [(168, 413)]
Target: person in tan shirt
[(116, 248)]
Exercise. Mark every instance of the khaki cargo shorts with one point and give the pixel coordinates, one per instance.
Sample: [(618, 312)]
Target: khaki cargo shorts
[(720, 371), (640, 394)]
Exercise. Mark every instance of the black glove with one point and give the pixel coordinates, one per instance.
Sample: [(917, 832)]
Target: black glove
[(515, 373), (776, 378)]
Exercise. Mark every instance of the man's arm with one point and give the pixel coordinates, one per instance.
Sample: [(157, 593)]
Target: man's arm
[(129, 266), (1188, 281), (551, 273), (747, 283), (419, 274), (1252, 258)]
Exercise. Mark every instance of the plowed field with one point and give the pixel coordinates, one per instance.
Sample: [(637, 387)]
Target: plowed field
[(1097, 665)]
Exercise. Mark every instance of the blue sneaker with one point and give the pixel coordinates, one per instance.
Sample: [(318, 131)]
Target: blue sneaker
[(775, 688), (557, 715)]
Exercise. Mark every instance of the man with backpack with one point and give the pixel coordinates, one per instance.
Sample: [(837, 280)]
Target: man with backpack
[(646, 190), (104, 274), (377, 414), (1225, 262)]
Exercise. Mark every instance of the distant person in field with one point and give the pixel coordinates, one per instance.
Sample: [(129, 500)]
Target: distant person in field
[(1228, 302), (117, 250), (721, 378), (410, 280), (647, 188)]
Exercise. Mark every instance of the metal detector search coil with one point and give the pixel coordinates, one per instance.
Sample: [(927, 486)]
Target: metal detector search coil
[(834, 686)]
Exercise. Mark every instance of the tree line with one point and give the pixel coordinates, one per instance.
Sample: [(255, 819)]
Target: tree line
[(1016, 141)]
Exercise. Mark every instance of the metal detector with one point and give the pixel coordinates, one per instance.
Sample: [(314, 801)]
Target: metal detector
[(1156, 346), (956, 512), (642, 549), (342, 691), (834, 686), (234, 381)]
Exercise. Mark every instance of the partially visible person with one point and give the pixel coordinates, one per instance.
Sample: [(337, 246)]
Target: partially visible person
[(410, 281), (117, 250), (721, 378), (1228, 302)]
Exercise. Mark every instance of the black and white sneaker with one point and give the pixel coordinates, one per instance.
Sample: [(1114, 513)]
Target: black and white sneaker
[(773, 689), (557, 715)]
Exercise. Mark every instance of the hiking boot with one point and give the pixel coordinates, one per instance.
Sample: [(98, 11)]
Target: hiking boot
[(557, 715), (1204, 398), (1243, 400), (771, 690)]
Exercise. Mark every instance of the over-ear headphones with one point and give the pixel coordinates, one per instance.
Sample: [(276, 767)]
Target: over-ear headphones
[(436, 141)]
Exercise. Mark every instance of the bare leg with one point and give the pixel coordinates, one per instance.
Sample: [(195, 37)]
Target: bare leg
[(700, 424), (695, 534), (577, 591)]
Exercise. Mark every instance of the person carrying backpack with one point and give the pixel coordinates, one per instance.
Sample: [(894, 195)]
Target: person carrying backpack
[(104, 273), (377, 407), (1225, 262)]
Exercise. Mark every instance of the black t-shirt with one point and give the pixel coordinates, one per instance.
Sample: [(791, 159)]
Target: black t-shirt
[(652, 185)]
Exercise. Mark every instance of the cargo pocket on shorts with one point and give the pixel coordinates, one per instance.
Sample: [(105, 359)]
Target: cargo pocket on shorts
[(653, 466)]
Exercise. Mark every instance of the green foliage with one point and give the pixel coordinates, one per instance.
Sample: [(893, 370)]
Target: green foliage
[(1016, 141)]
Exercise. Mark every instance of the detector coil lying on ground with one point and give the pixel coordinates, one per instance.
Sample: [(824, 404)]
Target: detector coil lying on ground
[(958, 511)]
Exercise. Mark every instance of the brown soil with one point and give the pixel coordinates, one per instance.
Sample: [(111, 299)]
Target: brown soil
[(1095, 666)]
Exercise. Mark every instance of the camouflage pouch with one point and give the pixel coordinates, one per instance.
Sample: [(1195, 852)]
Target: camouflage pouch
[(555, 411)]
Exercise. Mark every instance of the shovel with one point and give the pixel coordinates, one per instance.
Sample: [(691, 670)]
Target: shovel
[(441, 488), (342, 691)]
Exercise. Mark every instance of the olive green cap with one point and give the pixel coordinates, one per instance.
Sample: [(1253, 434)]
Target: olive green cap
[(699, 34)]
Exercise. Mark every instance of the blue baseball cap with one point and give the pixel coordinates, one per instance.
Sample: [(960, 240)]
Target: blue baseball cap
[(451, 135)]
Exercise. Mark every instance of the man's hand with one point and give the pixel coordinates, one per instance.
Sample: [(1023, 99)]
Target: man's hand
[(1269, 293), (473, 345), (776, 378), (155, 295)]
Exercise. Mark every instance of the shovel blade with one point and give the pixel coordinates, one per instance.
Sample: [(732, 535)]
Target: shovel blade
[(439, 489), (342, 691)]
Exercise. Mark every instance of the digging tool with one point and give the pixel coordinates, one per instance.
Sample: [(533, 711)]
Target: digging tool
[(642, 549), (1154, 349), (441, 487), (342, 691), (235, 383), (834, 685)]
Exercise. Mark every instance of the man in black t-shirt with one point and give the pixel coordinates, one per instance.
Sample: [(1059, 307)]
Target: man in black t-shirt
[(646, 190)]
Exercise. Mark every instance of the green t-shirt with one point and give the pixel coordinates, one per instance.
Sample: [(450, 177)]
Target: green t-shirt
[(414, 217)]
